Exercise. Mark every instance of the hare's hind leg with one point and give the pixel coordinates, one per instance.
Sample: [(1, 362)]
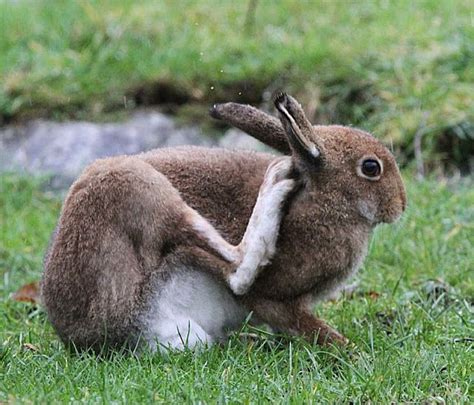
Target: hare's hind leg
[(155, 217), (177, 299), (259, 242), (149, 213)]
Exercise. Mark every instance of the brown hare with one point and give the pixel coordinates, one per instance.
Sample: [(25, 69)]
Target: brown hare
[(176, 247)]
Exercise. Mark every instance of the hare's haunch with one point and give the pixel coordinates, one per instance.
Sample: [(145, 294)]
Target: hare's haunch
[(175, 247)]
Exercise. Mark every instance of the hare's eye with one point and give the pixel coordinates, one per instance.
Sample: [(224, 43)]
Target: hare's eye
[(371, 168)]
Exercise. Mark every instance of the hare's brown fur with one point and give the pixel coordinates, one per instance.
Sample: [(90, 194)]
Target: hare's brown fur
[(124, 224)]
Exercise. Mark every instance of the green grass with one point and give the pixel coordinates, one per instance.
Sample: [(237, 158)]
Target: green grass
[(393, 67), (409, 345)]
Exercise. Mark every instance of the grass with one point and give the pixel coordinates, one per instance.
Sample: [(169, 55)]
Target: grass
[(395, 68), (412, 341), (398, 69)]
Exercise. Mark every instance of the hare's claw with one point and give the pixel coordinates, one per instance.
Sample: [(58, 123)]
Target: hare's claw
[(241, 281), (278, 170), (333, 337)]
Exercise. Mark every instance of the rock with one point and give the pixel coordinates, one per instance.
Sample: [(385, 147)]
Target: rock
[(64, 149), (236, 139)]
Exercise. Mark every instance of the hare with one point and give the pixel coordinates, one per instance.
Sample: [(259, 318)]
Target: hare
[(176, 247)]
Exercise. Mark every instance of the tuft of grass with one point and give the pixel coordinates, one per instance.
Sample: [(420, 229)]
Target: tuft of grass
[(397, 69), (412, 342)]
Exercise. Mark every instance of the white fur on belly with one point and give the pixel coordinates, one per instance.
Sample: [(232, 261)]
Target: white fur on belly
[(192, 308)]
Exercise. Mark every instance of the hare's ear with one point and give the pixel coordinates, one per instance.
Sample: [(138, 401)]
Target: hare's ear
[(260, 125), (299, 130)]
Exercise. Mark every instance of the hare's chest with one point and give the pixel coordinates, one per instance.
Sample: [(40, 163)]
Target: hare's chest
[(348, 257), (190, 309), (314, 259)]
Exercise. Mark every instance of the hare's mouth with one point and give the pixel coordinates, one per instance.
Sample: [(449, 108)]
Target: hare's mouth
[(392, 219), (372, 213), (394, 215)]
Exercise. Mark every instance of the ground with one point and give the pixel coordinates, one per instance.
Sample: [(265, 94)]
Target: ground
[(410, 322)]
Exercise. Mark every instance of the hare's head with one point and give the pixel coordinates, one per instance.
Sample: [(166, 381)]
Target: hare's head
[(347, 160)]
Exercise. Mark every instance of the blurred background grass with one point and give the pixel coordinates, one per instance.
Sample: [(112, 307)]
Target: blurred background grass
[(402, 70)]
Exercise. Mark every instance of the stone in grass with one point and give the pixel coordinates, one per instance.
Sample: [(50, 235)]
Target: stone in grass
[(236, 139), (62, 150)]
